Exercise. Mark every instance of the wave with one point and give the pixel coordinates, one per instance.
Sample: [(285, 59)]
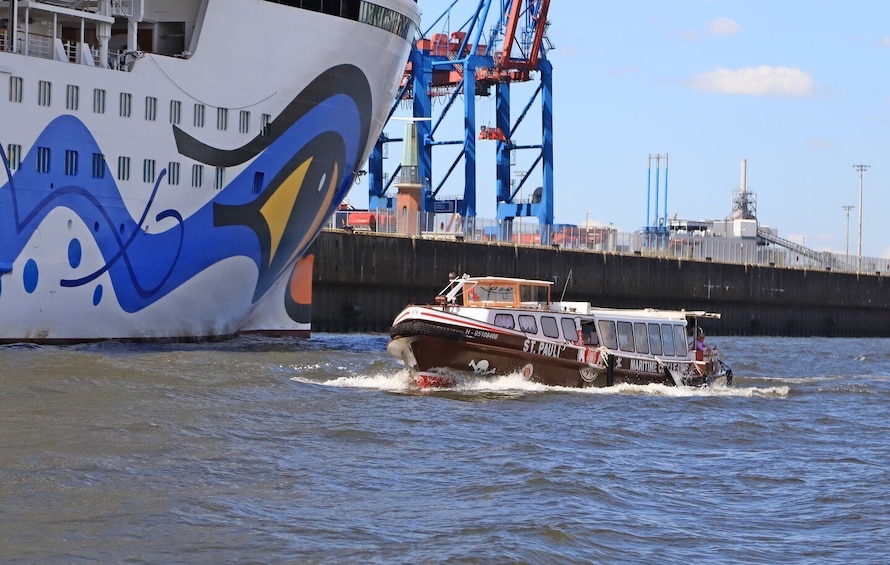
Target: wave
[(515, 383)]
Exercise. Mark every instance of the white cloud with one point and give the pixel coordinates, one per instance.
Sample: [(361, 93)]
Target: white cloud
[(723, 26), (756, 81), (820, 143)]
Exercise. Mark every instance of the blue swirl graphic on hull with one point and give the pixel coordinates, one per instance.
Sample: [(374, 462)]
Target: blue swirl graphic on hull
[(270, 213)]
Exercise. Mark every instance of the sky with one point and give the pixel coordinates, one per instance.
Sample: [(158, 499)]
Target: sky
[(798, 88)]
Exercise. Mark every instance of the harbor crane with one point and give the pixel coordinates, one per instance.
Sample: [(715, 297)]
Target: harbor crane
[(461, 65)]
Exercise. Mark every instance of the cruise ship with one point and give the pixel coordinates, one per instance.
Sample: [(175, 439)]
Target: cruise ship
[(167, 163)]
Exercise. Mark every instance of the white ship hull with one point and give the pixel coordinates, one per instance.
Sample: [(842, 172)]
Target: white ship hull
[(166, 191)]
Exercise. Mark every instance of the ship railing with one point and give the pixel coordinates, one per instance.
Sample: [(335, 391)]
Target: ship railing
[(118, 7), (606, 239)]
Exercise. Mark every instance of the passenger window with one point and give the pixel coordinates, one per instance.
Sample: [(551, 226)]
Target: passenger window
[(625, 336), (607, 330), (655, 339), (680, 340), (641, 338), (667, 336), (569, 332), (549, 327), (588, 333), (504, 321), (527, 324)]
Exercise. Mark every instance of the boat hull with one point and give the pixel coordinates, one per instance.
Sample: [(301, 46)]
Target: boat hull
[(114, 225), (434, 351)]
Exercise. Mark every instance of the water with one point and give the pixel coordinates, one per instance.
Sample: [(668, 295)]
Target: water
[(319, 451)]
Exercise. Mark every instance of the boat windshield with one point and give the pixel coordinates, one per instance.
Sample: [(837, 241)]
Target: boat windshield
[(506, 292)]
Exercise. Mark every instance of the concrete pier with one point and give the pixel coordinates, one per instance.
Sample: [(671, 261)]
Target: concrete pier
[(361, 281)]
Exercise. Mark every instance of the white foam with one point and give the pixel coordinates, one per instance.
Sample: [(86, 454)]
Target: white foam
[(515, 382)]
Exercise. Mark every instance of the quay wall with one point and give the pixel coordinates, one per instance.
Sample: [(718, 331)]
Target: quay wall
[(361, 281)]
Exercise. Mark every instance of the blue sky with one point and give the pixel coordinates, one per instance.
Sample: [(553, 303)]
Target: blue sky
[(799, 88)]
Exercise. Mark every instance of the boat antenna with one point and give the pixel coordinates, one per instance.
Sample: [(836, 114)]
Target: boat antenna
[(565, 286)]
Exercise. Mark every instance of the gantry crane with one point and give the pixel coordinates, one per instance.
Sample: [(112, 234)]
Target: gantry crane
[(448, 65)]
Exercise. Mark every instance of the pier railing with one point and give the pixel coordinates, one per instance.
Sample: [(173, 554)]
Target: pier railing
[(765, 249)]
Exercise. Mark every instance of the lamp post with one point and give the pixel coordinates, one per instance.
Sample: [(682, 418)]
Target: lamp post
[(861, 169), (847, 209)]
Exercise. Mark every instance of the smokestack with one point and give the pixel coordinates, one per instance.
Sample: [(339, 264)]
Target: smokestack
[(744, 186)]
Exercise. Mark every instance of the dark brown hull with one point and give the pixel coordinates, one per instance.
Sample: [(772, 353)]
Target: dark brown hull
[(426, 347)]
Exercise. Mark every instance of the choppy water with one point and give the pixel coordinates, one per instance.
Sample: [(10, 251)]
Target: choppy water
[(318, 451)]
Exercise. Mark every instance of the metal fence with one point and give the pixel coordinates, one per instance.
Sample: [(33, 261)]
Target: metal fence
[(764, 251)]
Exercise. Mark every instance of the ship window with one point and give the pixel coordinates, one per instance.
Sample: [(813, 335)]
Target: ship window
[(173, 173), (493, 293), (349, 9), (44, 93), (98, 166), (43, 159), (607, 330), (549, 327), (680, 340), (528, 324), (569, 332), (199, 115), (220, 178), (588, 333), (505, 321), (244, 121), (16, 88), (655, 339), (98, 101), (175, 112), (72, 97), (126, 109), (70, 163), (197, 176), (641, 338), (266, 125), (625, 336), (151, 108), (667, 337), (533, 293), (222, 119), (14, 154), (123, 168), (148, 170)]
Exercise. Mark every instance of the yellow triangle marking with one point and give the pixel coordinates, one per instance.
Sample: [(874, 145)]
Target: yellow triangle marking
[(320, 218), (277, 210)]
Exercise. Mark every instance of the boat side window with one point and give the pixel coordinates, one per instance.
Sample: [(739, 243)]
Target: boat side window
[(655, 339), (504, 321), (625, 336), (549, 327), (588, 333), (607, 330), (527, 324), (680, 340), (641, 337), (569, 331), (667, 336)]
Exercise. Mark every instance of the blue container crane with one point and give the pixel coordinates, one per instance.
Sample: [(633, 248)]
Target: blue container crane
[(448, 64)]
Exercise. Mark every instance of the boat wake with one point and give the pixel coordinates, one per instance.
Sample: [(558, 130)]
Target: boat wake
[(513, 384)]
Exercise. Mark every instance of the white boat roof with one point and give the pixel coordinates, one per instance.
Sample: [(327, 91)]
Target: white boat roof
[(625, 313), (506, 279)]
